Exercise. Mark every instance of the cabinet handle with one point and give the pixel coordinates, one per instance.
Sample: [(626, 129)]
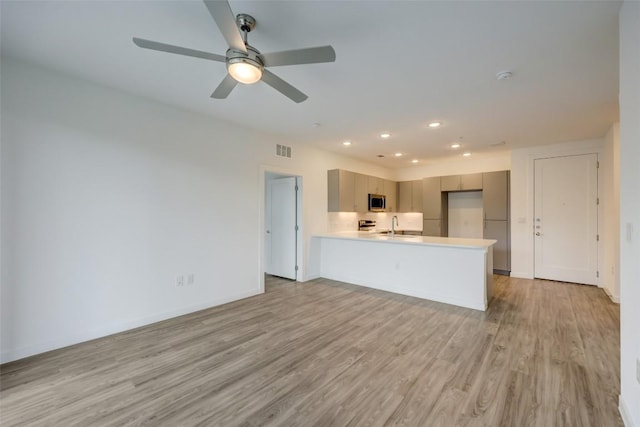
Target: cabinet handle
[(485, 220)]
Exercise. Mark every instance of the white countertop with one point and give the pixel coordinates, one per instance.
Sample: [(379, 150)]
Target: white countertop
[(374, 236)]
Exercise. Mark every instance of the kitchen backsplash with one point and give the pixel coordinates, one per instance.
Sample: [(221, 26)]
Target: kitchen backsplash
[(348, 221)]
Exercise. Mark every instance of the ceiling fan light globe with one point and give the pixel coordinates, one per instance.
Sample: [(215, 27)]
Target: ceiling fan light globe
[(245, 73)]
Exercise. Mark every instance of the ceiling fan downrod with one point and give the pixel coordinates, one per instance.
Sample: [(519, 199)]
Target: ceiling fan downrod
[(246, 23)]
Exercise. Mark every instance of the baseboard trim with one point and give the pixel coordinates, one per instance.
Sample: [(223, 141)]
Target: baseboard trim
[(311, 277), (88, 335), (519, 275), (502, 272), (624, 412), (613, 298)]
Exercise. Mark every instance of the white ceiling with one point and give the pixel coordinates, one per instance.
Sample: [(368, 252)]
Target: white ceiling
[(400, 64)]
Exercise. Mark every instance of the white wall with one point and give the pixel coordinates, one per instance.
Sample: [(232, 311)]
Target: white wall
[(522, 198), (630, 210), (107, 198), (610, 199), (480, 162)]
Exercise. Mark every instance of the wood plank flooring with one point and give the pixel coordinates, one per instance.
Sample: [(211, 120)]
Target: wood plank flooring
[(330, 354)]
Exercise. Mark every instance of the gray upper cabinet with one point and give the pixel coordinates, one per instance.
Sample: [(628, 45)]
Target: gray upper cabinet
[(341, 191), (404, 196), (471, 181), (431, 198), (450, 183), (361, 193), (468, 182), (376, 185), (416, 193), (391, 192), (349, 191), (495, 195), (410, 196)]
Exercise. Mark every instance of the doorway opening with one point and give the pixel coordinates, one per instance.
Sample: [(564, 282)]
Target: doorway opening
[(282, 225)]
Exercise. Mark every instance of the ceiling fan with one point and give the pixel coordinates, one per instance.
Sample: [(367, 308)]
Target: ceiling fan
[(245, 63)]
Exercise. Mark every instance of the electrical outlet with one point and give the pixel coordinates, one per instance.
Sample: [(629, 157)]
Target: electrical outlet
[(191, 279), (180, 281)]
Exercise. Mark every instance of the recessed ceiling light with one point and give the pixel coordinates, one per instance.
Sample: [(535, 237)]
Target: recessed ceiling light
[(347, 143), (434, 124), (467, 154), (414, 161), (455, 145), (398, 154), (385, 135)]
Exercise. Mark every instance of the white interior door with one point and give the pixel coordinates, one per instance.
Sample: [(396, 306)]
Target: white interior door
[(282, 228), (566, 219)]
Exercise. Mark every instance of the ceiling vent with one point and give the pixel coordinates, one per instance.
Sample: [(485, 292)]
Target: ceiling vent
[(283, 151)]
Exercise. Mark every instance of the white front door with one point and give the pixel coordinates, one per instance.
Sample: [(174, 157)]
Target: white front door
[(566, 218), (282, 228)]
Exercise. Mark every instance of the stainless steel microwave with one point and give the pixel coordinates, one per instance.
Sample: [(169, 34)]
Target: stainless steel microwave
[(377, 203)]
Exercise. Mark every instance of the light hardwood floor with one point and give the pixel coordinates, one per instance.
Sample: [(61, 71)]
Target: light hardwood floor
[(331, 354)]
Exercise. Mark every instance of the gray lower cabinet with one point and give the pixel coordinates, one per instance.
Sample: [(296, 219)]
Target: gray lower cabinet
[(432, 227), (499, 230)]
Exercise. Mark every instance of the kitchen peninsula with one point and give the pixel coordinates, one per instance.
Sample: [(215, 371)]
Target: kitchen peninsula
[(450, 270)]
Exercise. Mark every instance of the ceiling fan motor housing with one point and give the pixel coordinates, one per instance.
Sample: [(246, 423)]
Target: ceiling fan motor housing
[(252, 57)]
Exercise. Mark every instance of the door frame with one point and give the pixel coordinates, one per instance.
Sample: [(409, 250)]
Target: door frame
[(597, 281), (264, 171), (522, 201)]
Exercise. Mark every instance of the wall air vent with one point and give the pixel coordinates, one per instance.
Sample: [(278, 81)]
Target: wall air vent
[(283, 151)]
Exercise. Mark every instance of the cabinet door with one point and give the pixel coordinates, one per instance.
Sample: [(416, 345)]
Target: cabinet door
[(450, 183), (341, 191), (391, 191), (498, 230), (416, 195), (472, 181), (431, 227), (495, 195), (361, 193), (404, 196), (431, 198), (376, 185)]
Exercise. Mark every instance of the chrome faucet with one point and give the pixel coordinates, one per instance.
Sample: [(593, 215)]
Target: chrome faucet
[(394, 220)]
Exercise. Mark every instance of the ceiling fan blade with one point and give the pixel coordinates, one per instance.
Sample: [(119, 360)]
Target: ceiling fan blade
[(225, 20), (163, 47), (311, 55), (224, 88), (283, 87)]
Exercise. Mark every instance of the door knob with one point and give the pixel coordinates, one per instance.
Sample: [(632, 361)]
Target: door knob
[(538, 233), (268, 232)]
